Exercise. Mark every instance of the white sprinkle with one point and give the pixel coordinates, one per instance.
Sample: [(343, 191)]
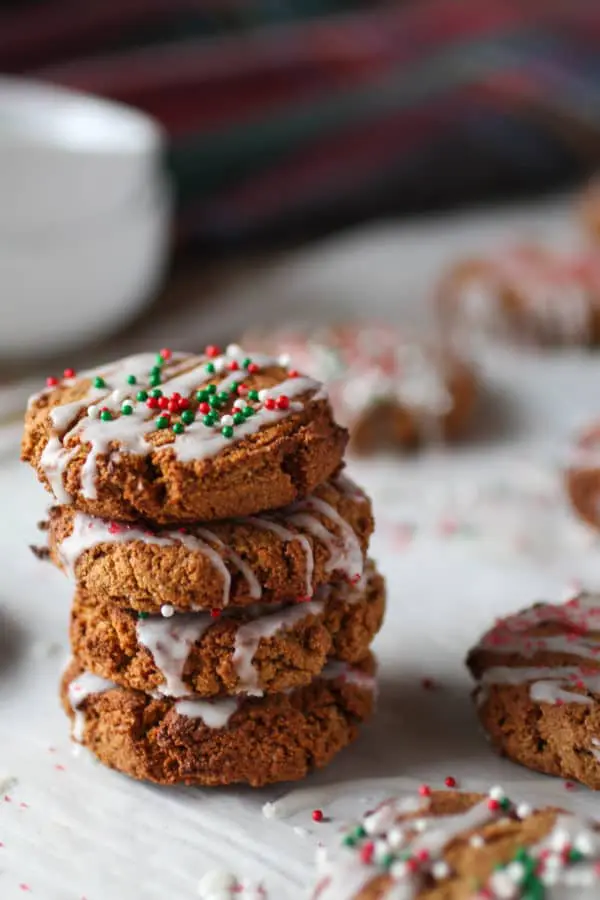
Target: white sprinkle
[(420, 825), (524, 810), (93, 411), (396, 838), (167, 610), (584, 843), (233, 350), (216, 881), (118, 395), (399, 870), (477, 841), (440, 869), (219, 365), (516, 872), (284, 360), (496, 793), (263, 394), (559, 840), (239, 403), (269, 810), (226, 420)]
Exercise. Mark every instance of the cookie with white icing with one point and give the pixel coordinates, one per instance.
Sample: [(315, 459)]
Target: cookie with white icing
[(389, 388), (261, 649), (582, 476), (265, 558), (448, 845), (181, 438), (525, 293), (253, 740), (538, 688)]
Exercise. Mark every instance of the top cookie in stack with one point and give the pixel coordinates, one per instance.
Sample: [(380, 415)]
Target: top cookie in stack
[(180, 438), (224, 605)]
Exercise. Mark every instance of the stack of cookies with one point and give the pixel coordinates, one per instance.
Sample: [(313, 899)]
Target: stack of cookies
[(224, 605)]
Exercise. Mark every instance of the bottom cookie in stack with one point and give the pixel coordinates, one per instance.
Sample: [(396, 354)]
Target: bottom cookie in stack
[(255, 740), (257, 694)]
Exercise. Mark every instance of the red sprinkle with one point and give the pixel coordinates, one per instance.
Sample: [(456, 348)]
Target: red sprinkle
[(269, 403), (215, 613), (24, 887), (51, 381), (114, 528), (423, 855), (283, 402), (173, 406), (493, 805), (425, 790), (293, 373), (569, 785), (204, 408), (69, 373), (233, 365), (183, 403), (152, 402), (366, 852), (450, 781), (412, 865), (166, 353), (212, 350), (317, 815), (242, 389), (253, 368), (163, 403)]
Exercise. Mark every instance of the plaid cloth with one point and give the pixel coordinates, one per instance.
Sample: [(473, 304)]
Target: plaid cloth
[(306, 113)]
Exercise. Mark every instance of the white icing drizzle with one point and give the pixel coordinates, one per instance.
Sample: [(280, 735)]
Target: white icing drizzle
[(129, 432), (254, 587), (78, 692), (249, 636), (169, 642), (345, 553), (213, 713), (579, 619)]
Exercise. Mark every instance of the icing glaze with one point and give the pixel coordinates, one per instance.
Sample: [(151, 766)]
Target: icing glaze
[(579, 621), (79, 690), (345, 552), (213, 713), (78, 429)]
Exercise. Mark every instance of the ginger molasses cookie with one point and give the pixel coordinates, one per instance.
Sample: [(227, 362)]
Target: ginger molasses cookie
[(178, 438), (538, 688), (582, 476), (389, 388), (256, 740), (448, 845), (252, 651), (265, 558), (526, 293)]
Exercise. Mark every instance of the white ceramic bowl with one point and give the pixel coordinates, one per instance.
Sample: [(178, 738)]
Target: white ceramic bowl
[(69, 158), (65, 290)]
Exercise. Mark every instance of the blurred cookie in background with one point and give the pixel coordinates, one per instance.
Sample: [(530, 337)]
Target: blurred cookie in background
[(393, 390), (524, 293)]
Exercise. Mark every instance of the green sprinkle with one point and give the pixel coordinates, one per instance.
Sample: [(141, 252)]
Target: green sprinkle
[(247, 412), (253, 395), (348, 840), (209, 368), (143, 615), (188, 416), (223, 396), (156, 392), (387, 860), (211, 388), (227, 431), (162, 422), (131, 379), (126, 409), (360, 832), (233, 387), (106, 415), (505, 803), (246, 362), (238, 418), (142, 395), (159, 361), (202, 396), (575, 855), (154, 380), (208, 420), (215, 402), (178, 428), (99, 382), (155, 370)]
